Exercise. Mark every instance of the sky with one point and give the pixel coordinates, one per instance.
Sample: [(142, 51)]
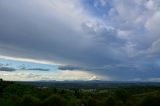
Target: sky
[(112, 40)]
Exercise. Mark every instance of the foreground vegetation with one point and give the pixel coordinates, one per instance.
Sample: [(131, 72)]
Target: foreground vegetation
[(13, 94)]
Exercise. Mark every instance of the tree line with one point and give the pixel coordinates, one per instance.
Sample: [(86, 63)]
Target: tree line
[(13, 94)]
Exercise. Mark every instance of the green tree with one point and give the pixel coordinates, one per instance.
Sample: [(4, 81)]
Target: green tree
[(150, 100), (54, 100), (28, 100)]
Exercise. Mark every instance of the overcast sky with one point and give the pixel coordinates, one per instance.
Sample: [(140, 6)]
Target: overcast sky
[(80, 40)]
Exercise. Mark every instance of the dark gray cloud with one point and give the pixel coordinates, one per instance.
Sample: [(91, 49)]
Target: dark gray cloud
[(23, 67), (7, 67), (38, 69), (28, 33), (69, 67), (10, 69), (119, 45)]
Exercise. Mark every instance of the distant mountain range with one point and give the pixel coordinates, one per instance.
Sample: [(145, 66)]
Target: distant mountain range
[(87, 84)]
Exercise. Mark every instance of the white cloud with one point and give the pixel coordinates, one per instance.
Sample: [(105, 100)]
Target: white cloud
[(153, 23), (60, 75), (150, 4), (155, 48), (94, 78), (157, 79), (28, 60)]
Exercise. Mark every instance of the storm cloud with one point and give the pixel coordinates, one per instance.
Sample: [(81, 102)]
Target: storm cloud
[(3, 68), (69, 67), (122, 41)]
